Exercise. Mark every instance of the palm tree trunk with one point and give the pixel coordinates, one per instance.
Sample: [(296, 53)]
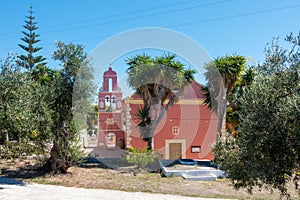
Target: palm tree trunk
[(150, 129), (221, 112), (150, 142)]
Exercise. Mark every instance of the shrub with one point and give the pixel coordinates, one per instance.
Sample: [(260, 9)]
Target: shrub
[(142, 158)]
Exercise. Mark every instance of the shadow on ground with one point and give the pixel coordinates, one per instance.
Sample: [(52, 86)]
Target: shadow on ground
[(7, 176), (9, 181)]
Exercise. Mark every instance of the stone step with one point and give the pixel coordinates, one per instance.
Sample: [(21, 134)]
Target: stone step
[(206, 177)]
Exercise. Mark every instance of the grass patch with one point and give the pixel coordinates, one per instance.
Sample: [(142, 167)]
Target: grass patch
[(46, 182)]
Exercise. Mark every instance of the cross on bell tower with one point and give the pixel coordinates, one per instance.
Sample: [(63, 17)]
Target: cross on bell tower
[(110, 107)]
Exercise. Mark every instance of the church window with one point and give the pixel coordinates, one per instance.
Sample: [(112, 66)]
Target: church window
[(107, 103), (175, 130), (113, 102), (110, 85)]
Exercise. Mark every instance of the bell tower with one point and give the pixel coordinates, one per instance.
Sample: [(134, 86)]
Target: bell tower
[(110, 107)]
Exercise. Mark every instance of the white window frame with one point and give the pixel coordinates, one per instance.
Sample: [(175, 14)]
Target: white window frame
[(175, 130)]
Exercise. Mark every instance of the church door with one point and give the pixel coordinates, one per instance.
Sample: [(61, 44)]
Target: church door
[(175, 150)]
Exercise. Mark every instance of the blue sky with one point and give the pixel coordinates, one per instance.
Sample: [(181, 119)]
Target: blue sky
[(221, 27)]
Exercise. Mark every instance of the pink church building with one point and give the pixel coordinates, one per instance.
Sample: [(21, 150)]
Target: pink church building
[(188, 130)]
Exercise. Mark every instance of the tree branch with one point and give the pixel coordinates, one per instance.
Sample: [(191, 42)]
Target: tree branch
[(170, 102), (287, 94)]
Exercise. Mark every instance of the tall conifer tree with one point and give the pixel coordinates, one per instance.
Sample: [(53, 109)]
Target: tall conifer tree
[(30, 61)]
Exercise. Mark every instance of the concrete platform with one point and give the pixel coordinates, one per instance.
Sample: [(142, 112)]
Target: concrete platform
[(199, 177), (189, 172)]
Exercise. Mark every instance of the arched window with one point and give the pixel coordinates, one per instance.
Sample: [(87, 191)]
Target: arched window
[(113, 102), (107, 103), (110, 85), (175, 130)]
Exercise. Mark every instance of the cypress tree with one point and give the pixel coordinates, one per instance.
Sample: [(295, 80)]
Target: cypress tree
[(29, 61)]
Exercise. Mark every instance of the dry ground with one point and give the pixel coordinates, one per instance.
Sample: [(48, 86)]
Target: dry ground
[(98, 178)]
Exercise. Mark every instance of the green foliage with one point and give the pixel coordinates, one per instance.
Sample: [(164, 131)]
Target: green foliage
[(164, 75), (266, 150), (159, 82), (35, 112), (23, 109), (142, 158), (223, 72), (9, 150), (230, 68), (29, 61), (15, 149), (208, 101), (73, 89), (224, 80), (15, 105), (76, 151), (233, 108), (138, 150), (92, 120), (145, 121), (44, 75), (40, 106)]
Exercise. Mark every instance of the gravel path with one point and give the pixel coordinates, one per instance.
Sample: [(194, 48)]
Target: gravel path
[(14, 190)]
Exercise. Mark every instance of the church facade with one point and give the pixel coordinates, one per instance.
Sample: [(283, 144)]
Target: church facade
[(187, 130)]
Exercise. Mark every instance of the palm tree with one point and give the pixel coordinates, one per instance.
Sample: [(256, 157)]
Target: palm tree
[(233, 107), (159, 82), (220, 88)]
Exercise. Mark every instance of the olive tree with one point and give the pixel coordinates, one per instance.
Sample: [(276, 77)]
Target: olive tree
[(266, 150), (73, 90)]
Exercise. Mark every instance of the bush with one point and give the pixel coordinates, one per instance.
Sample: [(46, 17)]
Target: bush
[(15, 149), (142, 158)]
